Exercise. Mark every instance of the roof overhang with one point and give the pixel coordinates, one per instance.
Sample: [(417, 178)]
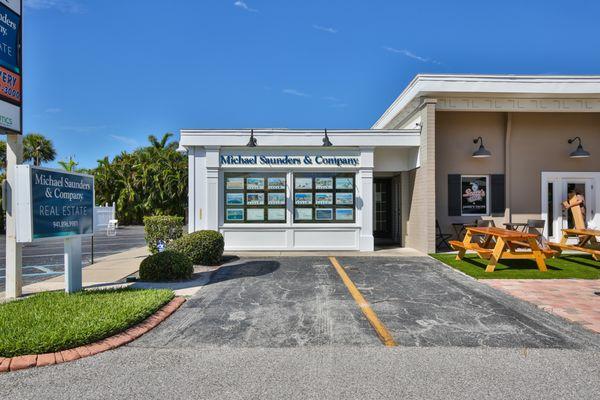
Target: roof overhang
[(300, 137), (497, 86)]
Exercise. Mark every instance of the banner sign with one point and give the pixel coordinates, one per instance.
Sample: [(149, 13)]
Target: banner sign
[(10, 85), (293, 158), (10, 116), (14, 5), (61, 204), (9, 39)]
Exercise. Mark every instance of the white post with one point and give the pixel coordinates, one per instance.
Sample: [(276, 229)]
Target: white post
[(14, 278), (73, 278)]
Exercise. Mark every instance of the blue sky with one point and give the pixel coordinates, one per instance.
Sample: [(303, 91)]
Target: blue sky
[(102, 75)]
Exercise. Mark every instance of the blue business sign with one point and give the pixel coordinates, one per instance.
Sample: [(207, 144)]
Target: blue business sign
[(62, 203), (10, 31)]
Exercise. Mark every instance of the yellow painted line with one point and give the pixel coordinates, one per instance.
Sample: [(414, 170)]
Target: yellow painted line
[(382, 332)]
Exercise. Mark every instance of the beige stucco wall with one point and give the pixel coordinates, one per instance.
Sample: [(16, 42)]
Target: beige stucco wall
[(538, 142)]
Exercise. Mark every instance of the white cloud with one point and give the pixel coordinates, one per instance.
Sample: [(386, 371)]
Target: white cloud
[(410, 54), (65, 6), (331, 98), (53, 110), (131, 142), (325, 29), (82, 128), (242, 4), (295, 92)]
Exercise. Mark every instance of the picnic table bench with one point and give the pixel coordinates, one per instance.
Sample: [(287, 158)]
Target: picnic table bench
[(501, 244), (587, 242)]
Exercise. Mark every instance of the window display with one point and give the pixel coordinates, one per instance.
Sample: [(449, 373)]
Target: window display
[(324, 197), (255, 197)]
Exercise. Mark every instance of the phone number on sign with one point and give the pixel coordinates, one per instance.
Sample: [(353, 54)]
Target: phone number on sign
[(65, 224)]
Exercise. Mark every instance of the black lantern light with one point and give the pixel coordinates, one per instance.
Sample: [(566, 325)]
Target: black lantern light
[(579, 152), (252, 142), (326, 141), (482, 152)]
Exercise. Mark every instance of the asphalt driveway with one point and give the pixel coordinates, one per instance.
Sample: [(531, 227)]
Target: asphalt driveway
[(296, 302)]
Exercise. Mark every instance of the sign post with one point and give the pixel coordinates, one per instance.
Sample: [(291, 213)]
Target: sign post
[(56, 204), (11, 121)]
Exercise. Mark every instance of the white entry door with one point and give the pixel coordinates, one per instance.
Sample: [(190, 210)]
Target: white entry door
[(556, 187)]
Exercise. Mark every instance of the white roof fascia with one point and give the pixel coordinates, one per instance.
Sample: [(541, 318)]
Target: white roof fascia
[(492, 85), (300, 138)]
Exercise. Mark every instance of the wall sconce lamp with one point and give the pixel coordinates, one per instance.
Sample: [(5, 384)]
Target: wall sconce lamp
[(326, 141), (252, 142), (482, 152), (579, 152)]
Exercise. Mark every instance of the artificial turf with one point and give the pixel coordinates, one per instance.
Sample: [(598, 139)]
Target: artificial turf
[(54, 321), (564, 267)]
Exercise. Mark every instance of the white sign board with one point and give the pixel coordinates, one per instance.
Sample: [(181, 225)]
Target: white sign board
[(14, 5), (10, 116), (289, 158)]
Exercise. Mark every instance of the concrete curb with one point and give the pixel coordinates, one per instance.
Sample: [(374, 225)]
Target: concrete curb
[(112, 342)]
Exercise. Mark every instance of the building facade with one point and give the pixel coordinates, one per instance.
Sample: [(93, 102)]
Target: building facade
[(418, 164)]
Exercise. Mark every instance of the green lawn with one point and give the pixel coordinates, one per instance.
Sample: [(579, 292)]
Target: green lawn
[(566, 266), (54, 321)]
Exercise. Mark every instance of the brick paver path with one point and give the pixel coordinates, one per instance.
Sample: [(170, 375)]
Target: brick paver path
[(573, 299)]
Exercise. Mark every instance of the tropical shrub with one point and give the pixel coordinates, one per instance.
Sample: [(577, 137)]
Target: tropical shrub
[(202, 247), (165, 228), (166, 266), (151, 180)]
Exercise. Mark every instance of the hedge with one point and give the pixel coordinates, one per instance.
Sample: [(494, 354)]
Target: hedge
[(202, 247), (166, 266), (165, 228)]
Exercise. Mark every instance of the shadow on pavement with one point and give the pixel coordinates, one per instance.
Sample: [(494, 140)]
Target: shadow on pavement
[(246, 269)]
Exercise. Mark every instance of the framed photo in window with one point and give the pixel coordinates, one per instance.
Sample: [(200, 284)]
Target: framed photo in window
[(474, 195), (304, 214), (324, 183), (344, 214), (255, 214), (255, 183), (302, 198), (235, 214), (303, 183), (276, 214), (344, 198), (323, 214), (276, 199), (255, 199), (277, 183), (235, 199), (323, 198), (234, 183), (344, 183)]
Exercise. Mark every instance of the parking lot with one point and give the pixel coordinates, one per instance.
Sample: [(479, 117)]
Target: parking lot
[(45, 259), (302, 301)]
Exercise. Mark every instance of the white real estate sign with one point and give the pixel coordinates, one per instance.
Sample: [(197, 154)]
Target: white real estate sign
[(10, 116)]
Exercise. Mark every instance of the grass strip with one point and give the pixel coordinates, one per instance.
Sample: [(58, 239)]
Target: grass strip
[(565, 267), (54, 321)]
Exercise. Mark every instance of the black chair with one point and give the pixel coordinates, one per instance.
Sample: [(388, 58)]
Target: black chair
[(440, 237), (536, 226)]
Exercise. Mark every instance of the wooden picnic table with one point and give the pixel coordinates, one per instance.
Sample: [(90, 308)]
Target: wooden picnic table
[(499, 244), (587, 242)]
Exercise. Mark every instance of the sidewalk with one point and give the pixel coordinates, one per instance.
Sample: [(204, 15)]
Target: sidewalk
[(107, 270)]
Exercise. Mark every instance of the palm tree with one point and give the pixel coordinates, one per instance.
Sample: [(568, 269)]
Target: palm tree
[(69, 166), (38, 148)]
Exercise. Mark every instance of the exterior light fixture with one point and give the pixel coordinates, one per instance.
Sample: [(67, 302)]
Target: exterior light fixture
[(252, 142), (482, 152), (579, 152), (326, 141)]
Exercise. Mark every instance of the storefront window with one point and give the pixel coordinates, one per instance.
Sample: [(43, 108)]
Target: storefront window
[(255, 198), (324, 198), (475, 196)]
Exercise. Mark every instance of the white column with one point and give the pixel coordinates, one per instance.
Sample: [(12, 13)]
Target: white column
[(14, 278), (191, 189), (365, 177), (73, 278), (213, 189)]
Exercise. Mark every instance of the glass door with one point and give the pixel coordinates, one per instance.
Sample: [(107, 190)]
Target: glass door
[(382, 223), (577, 189)]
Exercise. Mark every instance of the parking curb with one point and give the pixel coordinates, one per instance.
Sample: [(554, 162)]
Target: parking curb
[(109, 343)]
